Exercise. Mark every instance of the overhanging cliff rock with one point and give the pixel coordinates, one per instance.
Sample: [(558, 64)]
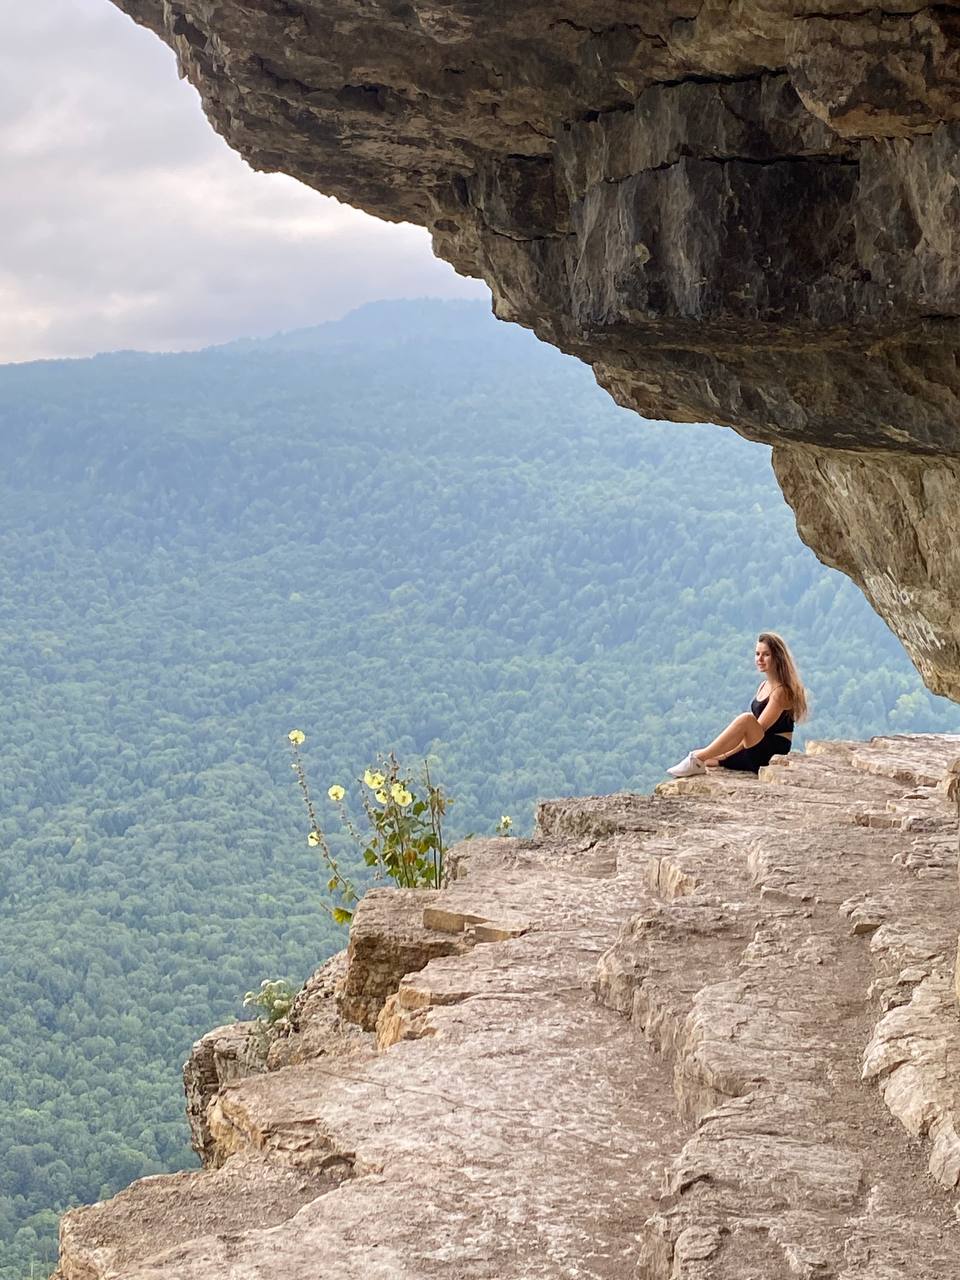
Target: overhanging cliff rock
[(747, 214), (704, 1035)]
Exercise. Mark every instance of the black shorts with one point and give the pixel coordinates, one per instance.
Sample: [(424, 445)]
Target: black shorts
[(752, 759)]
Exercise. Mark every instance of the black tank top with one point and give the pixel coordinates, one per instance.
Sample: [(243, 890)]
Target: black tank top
[(783, 725)]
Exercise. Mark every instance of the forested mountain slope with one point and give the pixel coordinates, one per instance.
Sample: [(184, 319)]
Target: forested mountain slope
[(415, 529)]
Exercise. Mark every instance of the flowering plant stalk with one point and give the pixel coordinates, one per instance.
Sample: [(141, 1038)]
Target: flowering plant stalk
[(405, 828), (342, 912)]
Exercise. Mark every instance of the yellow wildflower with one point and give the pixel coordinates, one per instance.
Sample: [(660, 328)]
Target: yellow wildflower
[(336, 793), (382, 796), (506, 820), (373, 779), (313, 839), (400, 794), (297, 737)]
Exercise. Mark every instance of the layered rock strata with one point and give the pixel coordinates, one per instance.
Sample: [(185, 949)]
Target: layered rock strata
[(703, 1035), (741, 214)]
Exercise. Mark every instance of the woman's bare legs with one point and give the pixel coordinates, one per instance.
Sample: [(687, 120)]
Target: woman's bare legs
[(744, 731)]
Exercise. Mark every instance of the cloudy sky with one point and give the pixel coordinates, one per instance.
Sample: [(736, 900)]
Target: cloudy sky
[(125, 221)]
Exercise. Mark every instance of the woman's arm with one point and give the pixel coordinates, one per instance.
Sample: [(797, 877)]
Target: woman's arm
[(771, 713)]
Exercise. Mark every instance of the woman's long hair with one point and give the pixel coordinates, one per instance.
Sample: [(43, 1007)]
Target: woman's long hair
[(786, 673)]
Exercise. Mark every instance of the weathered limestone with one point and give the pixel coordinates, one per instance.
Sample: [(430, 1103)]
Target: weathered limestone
[(387, 940), (902, 520), (218, 1058), (917, 1066), (714, 1039), (150, 1217), (315, 1024), (742, 214), (891, 75)]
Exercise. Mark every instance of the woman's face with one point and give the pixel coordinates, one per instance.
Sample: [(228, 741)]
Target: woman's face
[(764, 658)]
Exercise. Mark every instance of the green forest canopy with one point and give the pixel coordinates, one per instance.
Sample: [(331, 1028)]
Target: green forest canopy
[(414, 529)]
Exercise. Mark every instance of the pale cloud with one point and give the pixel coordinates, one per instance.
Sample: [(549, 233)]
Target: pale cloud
[(126, 222)]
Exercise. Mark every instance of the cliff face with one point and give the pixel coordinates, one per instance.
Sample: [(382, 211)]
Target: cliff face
[(746, 214), (704, 1035)]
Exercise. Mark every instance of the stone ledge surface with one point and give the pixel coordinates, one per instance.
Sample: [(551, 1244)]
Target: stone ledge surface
[(690, 1065)]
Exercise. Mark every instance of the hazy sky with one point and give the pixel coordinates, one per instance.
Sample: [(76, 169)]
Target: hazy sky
[(125, 221)]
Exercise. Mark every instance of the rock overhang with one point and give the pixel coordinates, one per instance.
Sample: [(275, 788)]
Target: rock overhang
[(745, 217)]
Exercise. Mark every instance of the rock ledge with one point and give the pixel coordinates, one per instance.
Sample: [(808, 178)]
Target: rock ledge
[(708, 1035)]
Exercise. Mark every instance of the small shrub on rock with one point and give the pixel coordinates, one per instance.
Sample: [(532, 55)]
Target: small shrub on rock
[(404, 827)]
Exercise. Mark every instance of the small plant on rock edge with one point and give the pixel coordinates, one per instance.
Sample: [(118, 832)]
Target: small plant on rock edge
[(275, 998), (404, 817)]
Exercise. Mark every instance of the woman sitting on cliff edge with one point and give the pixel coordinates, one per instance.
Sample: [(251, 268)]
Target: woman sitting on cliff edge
[(766, 730)]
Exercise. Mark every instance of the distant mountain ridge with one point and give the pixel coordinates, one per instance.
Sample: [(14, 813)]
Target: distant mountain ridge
[(393, 321), (389, 322)]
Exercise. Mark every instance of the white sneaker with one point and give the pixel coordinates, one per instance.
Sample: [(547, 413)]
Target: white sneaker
[(689, 767)]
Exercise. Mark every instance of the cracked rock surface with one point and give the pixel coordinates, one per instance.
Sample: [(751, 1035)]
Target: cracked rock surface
[(746, 214), (709, 1034)]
